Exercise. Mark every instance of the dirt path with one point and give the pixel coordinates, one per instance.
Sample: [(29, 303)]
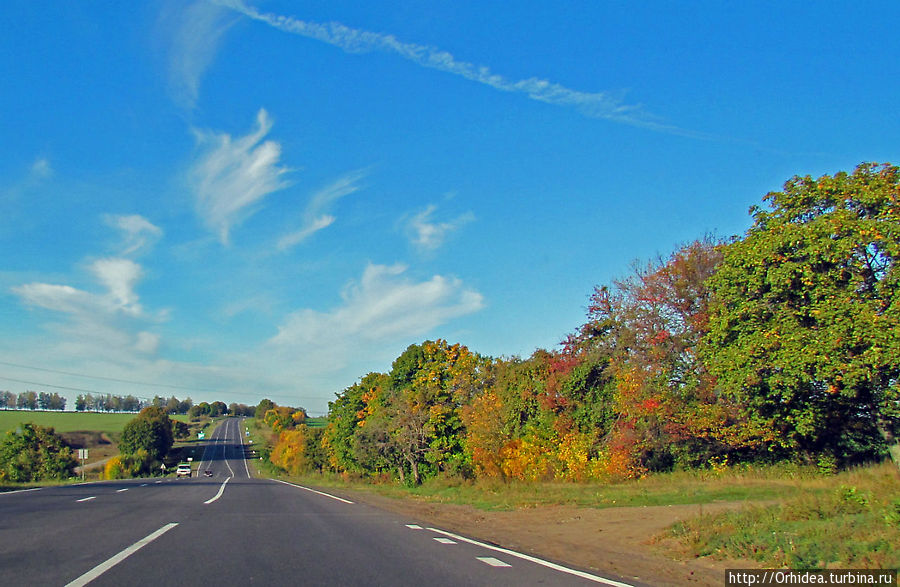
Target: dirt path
[(615, 540)]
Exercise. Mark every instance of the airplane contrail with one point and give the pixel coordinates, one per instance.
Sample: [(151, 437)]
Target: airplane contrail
[(603, 105)]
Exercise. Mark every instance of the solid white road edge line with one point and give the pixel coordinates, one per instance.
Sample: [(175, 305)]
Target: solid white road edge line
[(314, 491), (218, 495), (535, 560), (243, 452), (21, 491), (110, 563)]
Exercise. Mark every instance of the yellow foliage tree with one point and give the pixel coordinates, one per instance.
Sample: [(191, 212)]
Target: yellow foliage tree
[(289, 453)]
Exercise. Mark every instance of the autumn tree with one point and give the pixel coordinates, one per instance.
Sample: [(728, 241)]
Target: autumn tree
[(357, 435), (426, 405), (648, 327), (805, 330)]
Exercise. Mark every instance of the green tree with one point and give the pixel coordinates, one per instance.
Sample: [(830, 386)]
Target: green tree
[(354, 437), (432, 382), (150, 430), (34, 453), (218, 408), (180, 430), (27, 400), (7, 400), (805, 325), (264, 406)]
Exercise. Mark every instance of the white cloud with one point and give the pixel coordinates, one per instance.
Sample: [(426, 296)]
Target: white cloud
[(138, 233), (60, 298), (383, 307), (428, 235), (605, 105), (233, 176), (315, 217), (41, 168), (108, 326), (194, 32), (119, 276), (147, 342)]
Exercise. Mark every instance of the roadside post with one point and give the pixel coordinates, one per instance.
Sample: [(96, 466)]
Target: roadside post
[(82, 455), (162, 468)]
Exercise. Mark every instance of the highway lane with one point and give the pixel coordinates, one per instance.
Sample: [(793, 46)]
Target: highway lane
[(231, 529), (45, 533)]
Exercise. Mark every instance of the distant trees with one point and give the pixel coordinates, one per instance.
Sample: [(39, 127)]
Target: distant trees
[(51, 401), (31, 400), (108, 403), (34, 453), (27, 400), (7, 400), (236, 409)]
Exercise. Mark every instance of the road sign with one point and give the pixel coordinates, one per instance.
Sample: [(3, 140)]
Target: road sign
[(163, 466), (82, 456)]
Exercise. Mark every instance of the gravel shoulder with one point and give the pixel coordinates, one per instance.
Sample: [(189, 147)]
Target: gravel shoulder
[(614, 540)]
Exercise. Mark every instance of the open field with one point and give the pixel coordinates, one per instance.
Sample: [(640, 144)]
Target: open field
[(97, 432), (111, 423), (66, 421)]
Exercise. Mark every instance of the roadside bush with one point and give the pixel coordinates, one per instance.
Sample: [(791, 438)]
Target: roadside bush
[(34, 453), (128, 466)]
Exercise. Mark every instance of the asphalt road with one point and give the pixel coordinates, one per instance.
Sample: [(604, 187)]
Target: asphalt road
[(231, 529)]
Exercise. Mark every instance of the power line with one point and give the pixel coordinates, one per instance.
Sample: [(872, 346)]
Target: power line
[(51, 385), (100, 377), (104, 378)]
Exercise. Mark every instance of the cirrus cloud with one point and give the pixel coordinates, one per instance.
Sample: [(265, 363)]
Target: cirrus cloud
[(137, 233), (232, 176)]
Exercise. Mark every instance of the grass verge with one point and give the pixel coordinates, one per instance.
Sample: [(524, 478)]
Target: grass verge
[(850, 520)]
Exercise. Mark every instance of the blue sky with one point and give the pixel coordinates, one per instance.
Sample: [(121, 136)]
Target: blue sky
[(235, 200)]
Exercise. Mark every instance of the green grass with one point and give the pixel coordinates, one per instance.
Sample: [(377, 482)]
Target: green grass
[(111, 423), (66, 421), (690, 487), (850, 520)]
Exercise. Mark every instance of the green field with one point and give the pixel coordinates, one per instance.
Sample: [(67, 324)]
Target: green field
[(68, 421)]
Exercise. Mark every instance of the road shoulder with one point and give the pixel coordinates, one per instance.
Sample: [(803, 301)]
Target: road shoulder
[(613, 540)]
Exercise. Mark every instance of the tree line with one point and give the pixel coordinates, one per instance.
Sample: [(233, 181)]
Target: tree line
[(780, 344), (31, 400)]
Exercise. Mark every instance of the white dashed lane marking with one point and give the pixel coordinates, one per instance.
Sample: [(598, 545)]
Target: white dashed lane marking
[(86, 499), (450, 538), (445, 541), (494, 562)]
